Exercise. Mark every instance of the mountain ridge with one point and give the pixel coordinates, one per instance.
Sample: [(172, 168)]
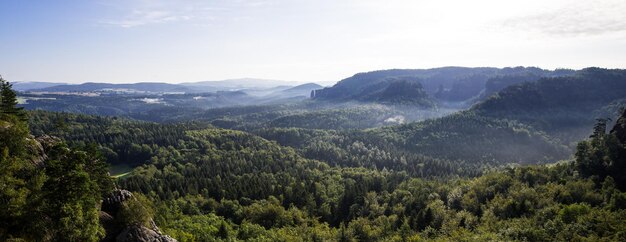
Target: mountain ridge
[(448, 84)]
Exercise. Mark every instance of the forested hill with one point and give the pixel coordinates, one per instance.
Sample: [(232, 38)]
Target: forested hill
[(561, 106), (133, 143), (140, 87), (201, 183), (528, 122), (121, 141), (216, 184), (449, 84)]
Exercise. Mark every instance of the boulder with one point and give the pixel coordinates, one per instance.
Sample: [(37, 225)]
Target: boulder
[(118, 232)]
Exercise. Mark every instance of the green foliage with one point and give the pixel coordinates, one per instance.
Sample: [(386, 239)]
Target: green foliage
[(136, 211), (48, 192), (604, 155), (8, 100), (517, 204), (118, 140), (571, 213), (306, 175), (214, 184), (72, 195), (466, 136)]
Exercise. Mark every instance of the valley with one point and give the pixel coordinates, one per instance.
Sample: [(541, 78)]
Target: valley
[(444, 154)]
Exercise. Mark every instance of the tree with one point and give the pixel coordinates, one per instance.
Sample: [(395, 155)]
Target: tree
[(58, 202), (603, 155), (599, 129), (20, 186), (71, 196), (8, 100), (223, 231), (13, 128)]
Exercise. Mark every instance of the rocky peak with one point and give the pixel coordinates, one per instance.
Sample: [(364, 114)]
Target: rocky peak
[(120, 233)]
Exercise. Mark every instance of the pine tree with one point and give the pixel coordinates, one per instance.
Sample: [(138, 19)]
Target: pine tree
[(8, 100), (599, 129)]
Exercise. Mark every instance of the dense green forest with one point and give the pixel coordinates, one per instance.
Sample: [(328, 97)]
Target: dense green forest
[(233, 185), (47, 190), (541, 159)]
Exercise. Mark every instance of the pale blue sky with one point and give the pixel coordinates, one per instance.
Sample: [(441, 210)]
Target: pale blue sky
[(298, 40)]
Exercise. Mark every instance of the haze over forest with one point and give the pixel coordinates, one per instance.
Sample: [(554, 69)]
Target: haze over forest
[(273, 120)]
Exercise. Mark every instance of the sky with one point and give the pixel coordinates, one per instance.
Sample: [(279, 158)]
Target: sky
[(124, 41)]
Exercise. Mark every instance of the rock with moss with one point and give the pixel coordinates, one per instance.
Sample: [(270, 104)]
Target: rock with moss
[(126, 217)]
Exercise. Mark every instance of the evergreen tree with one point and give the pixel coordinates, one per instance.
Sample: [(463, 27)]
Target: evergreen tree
[(603, 155), (72, 196), (8, 100), (55, 203)]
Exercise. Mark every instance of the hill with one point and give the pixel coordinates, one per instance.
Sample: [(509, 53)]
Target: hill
[(448, 84), (301, 90), (198, 183), (241, 83), (400, 92), (562, 106), (25, 86), (214, 183), (529, 122), (136, 87)]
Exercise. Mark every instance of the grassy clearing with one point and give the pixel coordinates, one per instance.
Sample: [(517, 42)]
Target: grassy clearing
[(120, 170)]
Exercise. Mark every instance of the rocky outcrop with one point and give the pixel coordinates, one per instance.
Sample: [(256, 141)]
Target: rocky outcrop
[(47, 142), (121, 233), (40, 146), (114, 201)]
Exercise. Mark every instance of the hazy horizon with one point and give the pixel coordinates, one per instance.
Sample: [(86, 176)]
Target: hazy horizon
[(299, 41), (323, 83)]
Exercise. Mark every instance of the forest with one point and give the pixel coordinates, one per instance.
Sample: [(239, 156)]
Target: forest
[(531, 157)]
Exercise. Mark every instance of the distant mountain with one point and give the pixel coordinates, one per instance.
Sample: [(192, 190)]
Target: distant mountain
[(304, 87), (241, 83), (261, 91), (140, 87), (300, 90), (447, 84), (25, 86), (257, 87), (281, 94)]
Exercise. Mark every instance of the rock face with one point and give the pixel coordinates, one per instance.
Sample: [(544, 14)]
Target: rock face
[(120, 233), (113, 202), (47, 142), (40, 146)]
